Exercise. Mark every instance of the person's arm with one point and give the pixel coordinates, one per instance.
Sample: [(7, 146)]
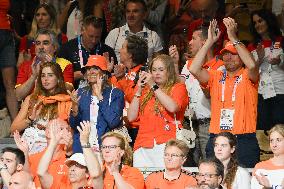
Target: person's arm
[(24, 89), (245, 55), (23, 146), (173, 52), (61, 19), (91, 159), (46, 179), (196, 68)]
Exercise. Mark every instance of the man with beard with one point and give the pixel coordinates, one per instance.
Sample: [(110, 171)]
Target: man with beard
[(211, 173)]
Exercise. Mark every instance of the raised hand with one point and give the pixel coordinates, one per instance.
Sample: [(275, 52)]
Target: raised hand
[(110, 64), (275, 60), (173, 52), (36, 110), (35, 67), (232, 28), (56, 134), (75, 101), (213, 32), (260, 53), (114, 166), (84, 131), (21, 143)]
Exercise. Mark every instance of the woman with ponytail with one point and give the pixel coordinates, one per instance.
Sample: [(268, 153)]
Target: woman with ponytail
[(118, 171), (159, 103), (225, 150)]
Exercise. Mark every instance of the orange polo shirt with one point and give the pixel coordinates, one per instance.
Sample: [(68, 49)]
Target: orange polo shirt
[(152, 125), (157, 181), (131, 175), (213, 64), (56, 168), (245, 104)]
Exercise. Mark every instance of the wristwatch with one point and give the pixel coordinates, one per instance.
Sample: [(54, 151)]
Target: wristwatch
[(88, 145), (154, 87), (237, 42)]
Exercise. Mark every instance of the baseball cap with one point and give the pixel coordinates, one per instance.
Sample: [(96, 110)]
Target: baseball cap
[(97, 60), (77, 157), (229, 47)]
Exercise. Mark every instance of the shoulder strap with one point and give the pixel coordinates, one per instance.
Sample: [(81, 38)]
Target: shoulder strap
[(116, 38)]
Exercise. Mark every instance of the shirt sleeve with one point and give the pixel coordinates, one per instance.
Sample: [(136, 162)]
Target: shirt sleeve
[(180, 96), (111, 37), (135, 179), (157, 42)]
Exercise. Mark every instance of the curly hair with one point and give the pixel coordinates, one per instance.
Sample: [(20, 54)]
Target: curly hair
[(124, 145), (40, 90), (233, 163), (171, 80), (271, 21)]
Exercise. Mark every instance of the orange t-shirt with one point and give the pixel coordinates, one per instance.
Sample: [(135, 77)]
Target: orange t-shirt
[(152, 125), (131, 175), (4, 21), (245, 104), (56, 168), (157, 181)]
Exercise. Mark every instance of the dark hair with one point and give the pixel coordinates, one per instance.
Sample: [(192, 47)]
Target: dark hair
[(138, 48), (20, 156), (142, 2), (94, 21), (219, 167), (271, 21), (233, 163), (204, 31)]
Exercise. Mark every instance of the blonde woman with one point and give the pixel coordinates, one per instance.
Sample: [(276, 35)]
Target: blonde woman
[(118, 171), (159, 103), (270, 173)]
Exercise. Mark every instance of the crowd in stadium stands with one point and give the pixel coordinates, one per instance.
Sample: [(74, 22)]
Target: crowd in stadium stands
[(93, 92)]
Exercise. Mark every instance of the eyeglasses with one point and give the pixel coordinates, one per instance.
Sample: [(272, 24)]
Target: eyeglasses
[(167, 155), (206, 175), (110, 147)]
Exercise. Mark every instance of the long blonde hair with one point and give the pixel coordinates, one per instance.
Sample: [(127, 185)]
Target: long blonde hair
[(53, 22), (171, 80)]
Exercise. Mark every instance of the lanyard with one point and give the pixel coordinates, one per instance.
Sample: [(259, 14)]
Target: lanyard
[(81, 51), (237, 81)]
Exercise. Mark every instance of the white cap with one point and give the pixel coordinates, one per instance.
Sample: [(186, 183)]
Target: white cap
[(77, 157)]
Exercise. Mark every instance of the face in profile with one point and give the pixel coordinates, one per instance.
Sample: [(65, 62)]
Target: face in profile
[(173, 157), (110, 149), (159, 72), (207, 177), (125, 56), (48, 79)]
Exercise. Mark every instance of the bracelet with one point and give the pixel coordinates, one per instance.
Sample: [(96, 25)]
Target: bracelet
[(88, 145), (30, 119), (237, 42)]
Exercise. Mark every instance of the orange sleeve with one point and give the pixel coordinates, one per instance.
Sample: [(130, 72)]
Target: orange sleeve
[(150, 181), (190, 181), (180, 95)]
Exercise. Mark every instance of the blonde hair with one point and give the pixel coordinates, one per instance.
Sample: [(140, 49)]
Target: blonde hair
[(124, 145), (171, 80), (53, 23), (279, 128), (179, 144)]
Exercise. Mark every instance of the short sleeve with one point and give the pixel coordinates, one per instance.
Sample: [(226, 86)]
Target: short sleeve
[(135, 178)]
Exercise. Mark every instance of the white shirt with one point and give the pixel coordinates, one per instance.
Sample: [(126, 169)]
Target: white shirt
[(116, 38), (74, 24), (94, 109), (242, 179), (198, 102)]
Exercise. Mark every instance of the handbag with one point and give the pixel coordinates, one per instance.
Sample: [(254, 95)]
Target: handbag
[(188, 136)]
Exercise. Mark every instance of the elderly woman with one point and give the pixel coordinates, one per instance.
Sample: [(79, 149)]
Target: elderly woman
[(50, 100), (118, 171), (160, 102), (99, 102), (44, 18), (270, 173), (173, 176), (225, 150)]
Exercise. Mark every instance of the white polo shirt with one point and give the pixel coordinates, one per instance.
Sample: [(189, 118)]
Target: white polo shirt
[(116, 38)]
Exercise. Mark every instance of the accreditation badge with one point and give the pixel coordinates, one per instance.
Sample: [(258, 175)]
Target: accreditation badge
[(227, 119)]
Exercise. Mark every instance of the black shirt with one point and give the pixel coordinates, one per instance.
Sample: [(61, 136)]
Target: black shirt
[(70, 51)]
